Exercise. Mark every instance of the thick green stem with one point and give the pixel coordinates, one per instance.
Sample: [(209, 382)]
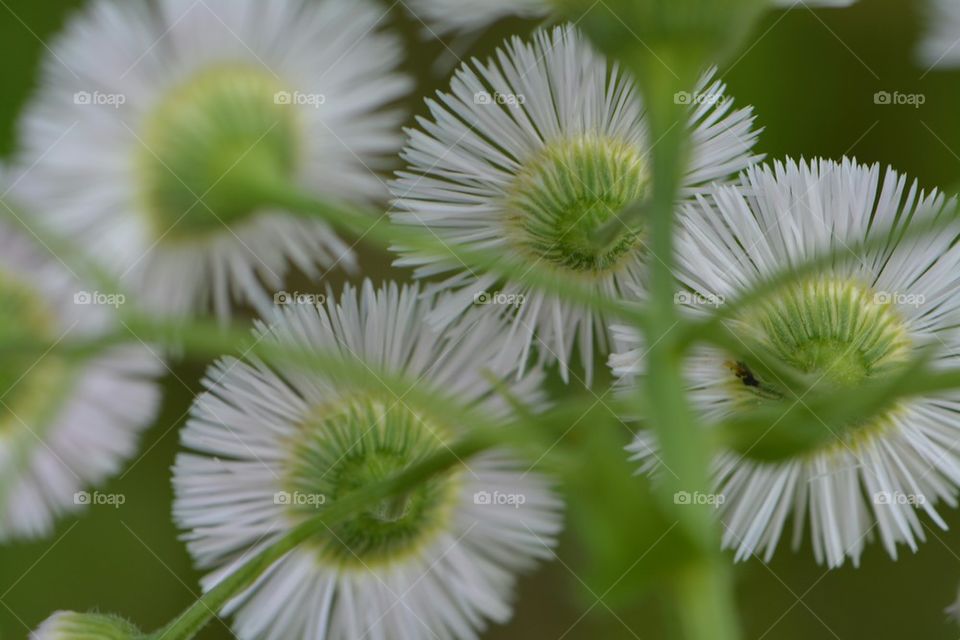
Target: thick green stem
[(706, 608), (704, 593)]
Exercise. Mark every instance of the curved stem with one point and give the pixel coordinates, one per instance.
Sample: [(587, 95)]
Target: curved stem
[(502, 264)]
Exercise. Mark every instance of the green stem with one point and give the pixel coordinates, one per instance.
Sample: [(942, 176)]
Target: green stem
[(196, 616), (204, 340), (706, 605), (704, 592), (365, 225)]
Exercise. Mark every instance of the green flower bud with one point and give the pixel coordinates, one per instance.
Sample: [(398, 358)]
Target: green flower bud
[(69, 625)]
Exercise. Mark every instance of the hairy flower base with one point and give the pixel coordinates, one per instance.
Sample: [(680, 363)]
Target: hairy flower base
[(224, 121), (68, 625), (840, 333), (358, 443), (571, 188), (25, 381)]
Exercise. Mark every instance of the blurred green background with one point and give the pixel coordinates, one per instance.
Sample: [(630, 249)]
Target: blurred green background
[(812, 77)]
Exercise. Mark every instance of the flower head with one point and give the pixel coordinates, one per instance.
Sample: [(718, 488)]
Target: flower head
[(850, 325), (65, 424), (529, 155), (160, 131), (275, 445)]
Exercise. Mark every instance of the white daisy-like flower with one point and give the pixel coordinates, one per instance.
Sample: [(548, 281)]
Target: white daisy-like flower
[(528, 155), (65, 425), (844, 327), (941, 45), (159, 126), (273, 445), (445, 16)]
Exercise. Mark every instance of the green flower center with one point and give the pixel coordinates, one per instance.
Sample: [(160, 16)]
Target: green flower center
[(840, 333), (27, 379), (561, 198), (209, 145), (357, 444)]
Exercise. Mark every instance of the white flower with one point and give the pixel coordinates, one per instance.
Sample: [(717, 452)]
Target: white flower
[(844, 327), (527, 155), (147, 108), (941, 45), (65, 425), (274, 445), (445, 16)]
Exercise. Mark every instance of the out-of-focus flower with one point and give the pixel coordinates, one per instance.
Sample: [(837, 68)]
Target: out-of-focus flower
[(276, 444), (846, 327), (66, 424), (161, 128), (941, 46), (529, 155)]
